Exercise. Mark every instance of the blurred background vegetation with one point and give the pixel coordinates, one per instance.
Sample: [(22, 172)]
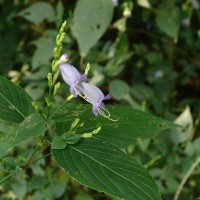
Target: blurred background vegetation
[(146, 53)]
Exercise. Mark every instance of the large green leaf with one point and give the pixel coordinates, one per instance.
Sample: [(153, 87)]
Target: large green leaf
[(15, 103), (33, 126), (168, 21), (131, 125), (38, 12), (91, 19), (43, 53), (105, 168)]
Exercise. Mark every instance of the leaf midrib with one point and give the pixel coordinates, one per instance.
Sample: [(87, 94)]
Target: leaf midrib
[(108, 168), (12, 105)]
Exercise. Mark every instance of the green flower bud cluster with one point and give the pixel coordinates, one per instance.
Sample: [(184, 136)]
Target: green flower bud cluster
[(52, 76)]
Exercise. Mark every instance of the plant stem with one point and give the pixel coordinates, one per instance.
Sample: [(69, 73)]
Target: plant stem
[(152, 161), (41, 158), (185, 178), (30, 161), (37, 151), (32, 156), (59, 107), (6, 178)]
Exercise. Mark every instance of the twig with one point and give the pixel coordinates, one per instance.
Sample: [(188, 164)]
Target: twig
[(185, 178)]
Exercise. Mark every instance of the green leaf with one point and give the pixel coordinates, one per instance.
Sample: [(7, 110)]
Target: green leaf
[(73, 139), (43, 53), (15, 103), (7, 134), (58, 143), (19, 188), (33, 126), (169, 23), (119, 89), (38, 12), (185, 133), (91, 19), (131, 125), (5, 143), (105, 168), (117, 64)]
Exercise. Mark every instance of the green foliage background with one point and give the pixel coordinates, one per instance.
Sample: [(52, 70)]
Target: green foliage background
[(150, 62)]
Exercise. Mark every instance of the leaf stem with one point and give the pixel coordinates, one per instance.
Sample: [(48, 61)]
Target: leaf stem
[(31, 157), (185, 178), (152, 161), (41, 158), (59, 107)]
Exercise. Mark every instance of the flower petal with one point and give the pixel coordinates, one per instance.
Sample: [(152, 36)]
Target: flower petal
[(94, 109), (92, 93), (69, 73)]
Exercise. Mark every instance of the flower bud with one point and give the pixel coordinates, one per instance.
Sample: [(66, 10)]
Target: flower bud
[(87, 69), (50, 80), (70, 97), (87, 135), (56, 88), (64, 58), (75, 123), (96, 130)]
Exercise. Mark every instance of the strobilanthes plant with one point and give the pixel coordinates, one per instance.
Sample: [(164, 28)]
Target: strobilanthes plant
[(85, 143)]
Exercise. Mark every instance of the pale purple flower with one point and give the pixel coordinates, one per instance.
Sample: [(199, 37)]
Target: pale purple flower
[(115, 3), (87, 91), (158, 74), (72, 77), (95, 96), (186, 21), (196, 4)]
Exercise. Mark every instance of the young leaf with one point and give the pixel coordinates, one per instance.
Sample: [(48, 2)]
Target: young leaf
[(131, 125), (33, 126), (15, 103), (91, 19), (58, 143), (105, 168)]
